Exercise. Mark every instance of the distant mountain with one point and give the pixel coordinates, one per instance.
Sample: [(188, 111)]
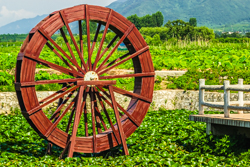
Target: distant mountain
[(209, 13), (21, 26)]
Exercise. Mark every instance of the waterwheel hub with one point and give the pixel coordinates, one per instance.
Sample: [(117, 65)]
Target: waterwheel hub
[(91, 76)]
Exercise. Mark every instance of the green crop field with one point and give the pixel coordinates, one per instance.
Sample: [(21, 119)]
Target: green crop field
[(209, 60), (165, 138)]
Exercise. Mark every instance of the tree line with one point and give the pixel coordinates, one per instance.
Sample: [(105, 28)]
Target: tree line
[(152, 29), (12, 37), (154, 20)]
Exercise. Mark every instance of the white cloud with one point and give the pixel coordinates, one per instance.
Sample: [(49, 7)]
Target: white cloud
[(13, 10), (8, 16)]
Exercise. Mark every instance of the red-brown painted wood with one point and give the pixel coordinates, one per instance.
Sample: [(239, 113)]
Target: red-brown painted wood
[(141, 97), (126, 59), (120, 128), (116, 46), (76, 122), (103, 38), (99, 83), (147, 74)]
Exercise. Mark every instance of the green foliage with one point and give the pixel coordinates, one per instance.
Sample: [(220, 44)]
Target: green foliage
[(92, 27), (231, 40), (158, 17), (190, 80), (151, 31), (226, 59), (154, 20), (171, 55), (6, 82), (12, 37), (193, 22), (165, 138), (183, 30), (135, 20), (248, 34)]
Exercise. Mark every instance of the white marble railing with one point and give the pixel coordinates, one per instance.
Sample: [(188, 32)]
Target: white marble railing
[(227, 105)]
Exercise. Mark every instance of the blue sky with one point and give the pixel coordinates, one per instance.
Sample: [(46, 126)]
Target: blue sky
[(12, 10)]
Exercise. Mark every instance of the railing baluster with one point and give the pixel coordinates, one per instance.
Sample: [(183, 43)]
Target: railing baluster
[(226, 87), (226, 99), (240, 95), (201, 96)]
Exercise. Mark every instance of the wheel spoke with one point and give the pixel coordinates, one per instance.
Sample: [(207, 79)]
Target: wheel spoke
[(93, 119), (130, 94), (113, 62), (55, 67), (57, 112), (74, 42), (99, 96), (32, 111), (98, 122), (66, 148), (53, 126), (81, 41), (88, 37), (73, 110), (107, 100), (95, 38), (118, 120), (70, 118), (126, 59), (54, 94), (116, 46), (98, 113), (86, 121), (121, 108), (103, 38), (65, 61), (60, 49), (60, 102), (107, 48), (23, 84), (145, 74), (76, 121), (84, 107), (68, 45)]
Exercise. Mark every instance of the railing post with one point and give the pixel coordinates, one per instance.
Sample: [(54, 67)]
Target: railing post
[(226, 99), (201, 96), (240, 95)]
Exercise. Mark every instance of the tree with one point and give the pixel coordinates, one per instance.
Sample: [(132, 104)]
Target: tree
[(159, 18), (193, 22), (135, 20), (248, 34), (148, 21), (154, 20), (179, 29), (156, 39), (92, 27)]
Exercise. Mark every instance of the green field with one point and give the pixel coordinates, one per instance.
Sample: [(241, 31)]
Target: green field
[(202, 59), (165, 138)]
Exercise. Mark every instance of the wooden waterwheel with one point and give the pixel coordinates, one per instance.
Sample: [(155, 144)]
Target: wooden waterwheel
[(89, 81)]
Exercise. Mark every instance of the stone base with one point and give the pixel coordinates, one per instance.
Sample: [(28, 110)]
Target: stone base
[(236, 124), (220, 130)]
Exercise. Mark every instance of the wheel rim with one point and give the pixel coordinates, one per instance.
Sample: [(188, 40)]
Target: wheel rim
[(143, 75)]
